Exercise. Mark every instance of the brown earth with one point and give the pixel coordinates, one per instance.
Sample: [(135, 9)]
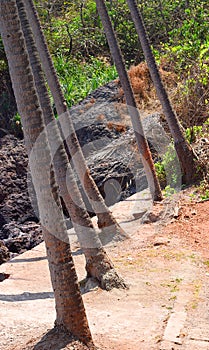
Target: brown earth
[(165, 263)]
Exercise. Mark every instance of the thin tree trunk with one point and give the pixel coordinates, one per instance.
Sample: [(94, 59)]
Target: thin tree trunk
[(70, 312), (106, 221), (187, 158), (131, 103), (98, 264)]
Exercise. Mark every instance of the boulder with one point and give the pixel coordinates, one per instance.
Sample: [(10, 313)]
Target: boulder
[(108, 142), (4, 253)]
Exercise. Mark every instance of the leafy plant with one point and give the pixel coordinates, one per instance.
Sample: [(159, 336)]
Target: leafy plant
[(193, 132), (17, 118), (169, 191), (168, 170), (203, 190), (78, 79), (161, 174)]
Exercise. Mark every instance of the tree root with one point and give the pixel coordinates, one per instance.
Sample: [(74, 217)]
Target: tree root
[(101, 268), (112, 280)]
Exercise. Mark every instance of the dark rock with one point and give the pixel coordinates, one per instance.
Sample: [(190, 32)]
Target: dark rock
[(4, 253), (3, 132), (3, 276), (21, 237), (104, 130), (2, 218), (108, 143), (92, 133), (14, 199)]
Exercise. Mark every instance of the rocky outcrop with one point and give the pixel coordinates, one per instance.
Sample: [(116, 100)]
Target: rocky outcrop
[(14, 200), (16, 213), (20, 237), (108, 143)]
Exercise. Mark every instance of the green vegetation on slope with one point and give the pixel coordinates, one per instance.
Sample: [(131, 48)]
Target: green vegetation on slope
[(178, 31)]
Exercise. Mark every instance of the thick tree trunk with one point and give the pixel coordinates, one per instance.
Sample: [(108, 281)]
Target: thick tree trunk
[(131, 103), (88, 238), (105, 217), (186, 155), (69, 305)]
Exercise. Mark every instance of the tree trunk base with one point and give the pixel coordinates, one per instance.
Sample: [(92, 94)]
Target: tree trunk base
[(192, 168), (59, 337), (112, 280), (101, 268), (113, 233), (107, 223)]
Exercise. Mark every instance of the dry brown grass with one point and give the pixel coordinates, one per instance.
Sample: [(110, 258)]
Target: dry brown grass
[(189, 100), (118, 127), (140, 81), (143, 87)]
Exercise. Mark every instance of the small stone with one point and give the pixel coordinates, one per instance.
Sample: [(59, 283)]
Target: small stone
[(161, 241), (3, 276)]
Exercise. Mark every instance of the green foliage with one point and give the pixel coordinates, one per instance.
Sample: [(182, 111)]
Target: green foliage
[(206, 125), (206, 262), (168, 191), (17, 118), (167, 169), (125, 30), (189, 40), (78, 79), (188, 51), (193, 132), (203, 190), (16, 125), (75, 30), (161, 174), (197, 131), (178, 30), (172, 167), (181, 25), (3, 60)]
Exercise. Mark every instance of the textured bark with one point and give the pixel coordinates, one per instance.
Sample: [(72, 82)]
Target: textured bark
[(186, 155), (104, 215), (131, 103), (88, 238), (102, 268), (69, 305)]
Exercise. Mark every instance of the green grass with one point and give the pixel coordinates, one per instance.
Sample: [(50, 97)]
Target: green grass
[(78, 79)]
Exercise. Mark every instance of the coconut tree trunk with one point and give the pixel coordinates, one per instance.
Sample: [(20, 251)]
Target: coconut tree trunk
[(70, 312), (131, 103), (98, 263), (187, 158), (106, 221)]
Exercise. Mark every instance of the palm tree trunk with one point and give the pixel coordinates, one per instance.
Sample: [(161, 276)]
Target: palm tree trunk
[(70, 312), (131, 103), (105, 217), (187, 158), (98, 263)]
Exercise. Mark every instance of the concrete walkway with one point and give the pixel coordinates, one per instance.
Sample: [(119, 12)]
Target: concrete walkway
[(165, 308)]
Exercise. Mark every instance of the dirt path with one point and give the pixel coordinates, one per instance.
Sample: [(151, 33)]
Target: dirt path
[(165, 263)]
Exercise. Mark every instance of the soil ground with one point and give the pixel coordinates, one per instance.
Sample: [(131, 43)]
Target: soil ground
[(165, 263)]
